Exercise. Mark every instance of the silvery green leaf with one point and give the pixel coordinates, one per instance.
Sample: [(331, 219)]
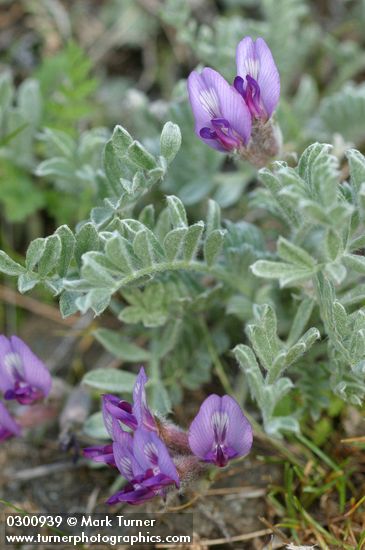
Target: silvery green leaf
[(68, 303), (301, 318), (27, 281), (192, 240), (86, 239), (50, 256), (96, 299), (177, 212), (68, 242), (140, 156), (281, 388), (8, 266), (174, 242), (113, 167), (248, 363), (308, 158), (354, 295), (213, 245), (98, 270), (357, 243), (57, 167), (213, 216), (314, 212), (357, 345), (30, 101), (147, 216), (170, 141), (340, 318), (355, 262), (34, 253), (263, 336), (288, 274), (310, 337), (120, 252), (146, 247), (121, 140), (275, 186), (294, 254), (324, 177), (114, 381), (333, 243), (119, 346), (357, 168)]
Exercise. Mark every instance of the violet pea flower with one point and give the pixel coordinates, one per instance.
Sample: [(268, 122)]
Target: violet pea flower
[(220, 431), (258, 79), (23, 376), (117, 412), (8, 426), (144, 461), (222, 119)]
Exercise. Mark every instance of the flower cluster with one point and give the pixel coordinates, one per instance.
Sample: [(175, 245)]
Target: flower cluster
[(155, 455), (23, 378), (237, 119)]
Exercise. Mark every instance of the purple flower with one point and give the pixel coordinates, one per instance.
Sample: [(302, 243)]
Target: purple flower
[(222, 119), (256, 65), (117, 412), (144, 461), (23, 376), (220, 431), (8, 426)]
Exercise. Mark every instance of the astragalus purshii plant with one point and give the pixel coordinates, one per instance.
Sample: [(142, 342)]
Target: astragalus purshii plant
[(267, 299)]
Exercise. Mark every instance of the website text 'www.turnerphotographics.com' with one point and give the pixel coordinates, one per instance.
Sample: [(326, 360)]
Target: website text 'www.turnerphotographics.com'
[(86, 529)]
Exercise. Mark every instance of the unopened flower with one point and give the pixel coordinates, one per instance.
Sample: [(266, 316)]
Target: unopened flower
[(258, 79), (222, 119), (220, 431), (8, 426), (23, 376), (144, 461)]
